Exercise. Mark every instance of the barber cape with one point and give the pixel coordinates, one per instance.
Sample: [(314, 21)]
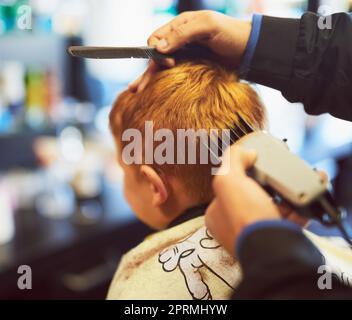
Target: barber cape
[(185, 262)]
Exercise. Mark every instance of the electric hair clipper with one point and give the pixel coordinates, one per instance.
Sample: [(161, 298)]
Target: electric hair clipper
[(288, 177)]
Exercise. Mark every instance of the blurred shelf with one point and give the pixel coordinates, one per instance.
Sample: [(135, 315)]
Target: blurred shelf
[(40, 49), (22, 141), (68, 260), (36, 51)]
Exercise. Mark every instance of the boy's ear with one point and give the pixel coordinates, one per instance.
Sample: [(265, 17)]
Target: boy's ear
[(157, 185)]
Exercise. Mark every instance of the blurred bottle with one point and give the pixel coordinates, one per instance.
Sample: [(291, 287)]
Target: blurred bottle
[(12, 94), (35, 98), (7, 16), (2, 20), (43, 96), (87, 185), (56, 200), (53, 94), (7, 225)]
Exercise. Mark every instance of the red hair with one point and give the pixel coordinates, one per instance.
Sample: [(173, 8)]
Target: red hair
[(192, 95)]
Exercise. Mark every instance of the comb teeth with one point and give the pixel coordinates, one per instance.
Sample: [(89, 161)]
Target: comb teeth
[(187, 52), (152, 53), (115, 52), (237, 131)]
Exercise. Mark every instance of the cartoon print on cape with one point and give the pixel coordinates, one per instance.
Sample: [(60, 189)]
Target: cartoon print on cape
[(200, 250)]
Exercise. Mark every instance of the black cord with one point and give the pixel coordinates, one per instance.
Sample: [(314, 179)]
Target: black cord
[(344, 232)]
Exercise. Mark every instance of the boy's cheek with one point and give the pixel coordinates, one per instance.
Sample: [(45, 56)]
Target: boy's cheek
[(132, 192), (135, 202), (126, 190)]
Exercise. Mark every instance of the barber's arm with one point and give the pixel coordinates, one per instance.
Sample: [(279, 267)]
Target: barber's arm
[(309, 60), (307, 63), (277, 260)]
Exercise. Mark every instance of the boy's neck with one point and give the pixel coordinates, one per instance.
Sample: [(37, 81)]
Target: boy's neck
[(189, 214), (181, 204)]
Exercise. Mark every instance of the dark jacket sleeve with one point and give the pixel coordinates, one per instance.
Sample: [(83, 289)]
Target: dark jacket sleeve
[(306, 63), (281, 263)]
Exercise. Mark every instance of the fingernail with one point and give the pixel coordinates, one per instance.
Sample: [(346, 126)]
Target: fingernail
[(252, 152), (131, 88), (169, 62), (162, 44)]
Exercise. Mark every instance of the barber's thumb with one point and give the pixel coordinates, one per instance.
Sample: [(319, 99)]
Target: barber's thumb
[(211, 215), (172, 42), (241, 158), (162, 45), (248, 158)]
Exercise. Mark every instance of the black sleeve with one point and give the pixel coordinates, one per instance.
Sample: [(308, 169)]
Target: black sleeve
[(306, 63), (279, 263)]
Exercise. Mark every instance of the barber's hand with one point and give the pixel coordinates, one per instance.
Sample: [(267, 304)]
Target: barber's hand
[(240, 201), (225, 36)]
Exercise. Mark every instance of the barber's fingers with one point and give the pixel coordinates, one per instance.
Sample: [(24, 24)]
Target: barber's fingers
[(323, 175), (158, 38), (161, 33), (169, 62), (140, 83), (288, 213), (243, 159), (239, 200), (133, 86), (178, 32), (220, 225), (236, 160), (186, 27), (181, 35)]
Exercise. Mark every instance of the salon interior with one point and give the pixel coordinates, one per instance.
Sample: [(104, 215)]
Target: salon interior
[(62, 209)]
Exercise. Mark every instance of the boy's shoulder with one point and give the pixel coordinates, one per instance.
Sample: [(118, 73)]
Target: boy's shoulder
[(182, 262)]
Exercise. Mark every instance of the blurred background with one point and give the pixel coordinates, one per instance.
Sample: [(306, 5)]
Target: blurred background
[(62, 210)]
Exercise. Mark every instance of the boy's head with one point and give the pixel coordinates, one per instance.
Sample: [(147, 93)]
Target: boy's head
[(192, 95)]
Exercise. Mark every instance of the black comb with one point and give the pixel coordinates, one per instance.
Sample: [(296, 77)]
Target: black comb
[(187, 52)]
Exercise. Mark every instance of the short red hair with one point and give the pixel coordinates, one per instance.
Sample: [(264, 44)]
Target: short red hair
[(192, 95)]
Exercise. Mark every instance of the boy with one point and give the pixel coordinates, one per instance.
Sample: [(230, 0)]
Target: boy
[(183, 261)]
